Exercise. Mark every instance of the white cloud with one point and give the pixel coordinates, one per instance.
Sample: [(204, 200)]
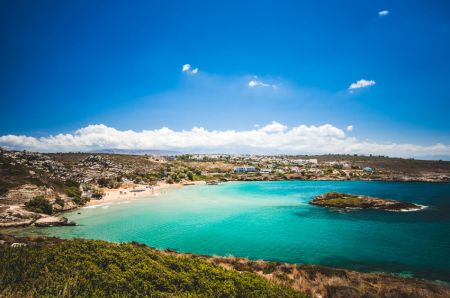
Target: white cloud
[(187, 68), (383, 13), (350, 128), (257, 84), (274, 127), (272, 138), (361, 84)]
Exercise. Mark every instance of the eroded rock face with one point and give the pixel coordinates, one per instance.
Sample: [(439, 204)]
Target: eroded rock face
[(342, 200), (51, 221), (26, 192), (16, 216)]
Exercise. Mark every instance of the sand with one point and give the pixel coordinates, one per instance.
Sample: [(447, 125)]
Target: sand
[(136, 191)]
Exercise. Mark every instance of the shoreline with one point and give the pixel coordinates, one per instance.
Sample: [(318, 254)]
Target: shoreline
[(135, 192), (124, 194)]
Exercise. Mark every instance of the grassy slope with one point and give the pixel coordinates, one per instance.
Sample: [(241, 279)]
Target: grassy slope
[(95, 268)]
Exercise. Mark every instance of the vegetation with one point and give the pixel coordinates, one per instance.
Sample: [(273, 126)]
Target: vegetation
[(109, 183), (80, 201), (347, 200), (59, 201), (98, 194), (73, 192), (342, 200), (40, 205), (86, 268)]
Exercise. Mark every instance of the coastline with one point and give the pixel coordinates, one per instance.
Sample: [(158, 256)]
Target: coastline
[(123, 194), (114, 196)]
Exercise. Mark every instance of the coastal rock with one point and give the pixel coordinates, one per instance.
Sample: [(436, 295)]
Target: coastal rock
[(51, 221), (16, 216), (343, 200)]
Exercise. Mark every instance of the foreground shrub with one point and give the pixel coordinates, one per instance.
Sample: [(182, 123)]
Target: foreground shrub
[(40, 205), (86, 268)]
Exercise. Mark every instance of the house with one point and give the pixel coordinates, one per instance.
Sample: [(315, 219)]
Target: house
[(244, 169), (368, 170), (86, 194)]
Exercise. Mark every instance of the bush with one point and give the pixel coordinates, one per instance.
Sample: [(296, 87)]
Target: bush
[(59, 201), (73, 191), (103, 182), (80, 201), (98, 194), (3, 190), (109, 183), (86, 268), (39, 205)]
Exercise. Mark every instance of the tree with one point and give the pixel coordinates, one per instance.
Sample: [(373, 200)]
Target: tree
[(98, 194), (73, 192), (59, 201), (40, 205)]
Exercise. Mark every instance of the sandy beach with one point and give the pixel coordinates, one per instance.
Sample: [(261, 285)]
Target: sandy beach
[(136, 191)]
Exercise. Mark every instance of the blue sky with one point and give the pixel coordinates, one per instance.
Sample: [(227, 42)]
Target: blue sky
[(67, 65)]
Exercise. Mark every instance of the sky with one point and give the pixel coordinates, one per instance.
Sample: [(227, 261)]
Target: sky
[(297, 77)]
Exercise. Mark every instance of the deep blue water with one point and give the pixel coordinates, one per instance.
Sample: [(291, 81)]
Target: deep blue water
[(273, 221)]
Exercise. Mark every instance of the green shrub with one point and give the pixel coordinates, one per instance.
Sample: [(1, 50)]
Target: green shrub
[(80, 201), (59, 201), (87, 268), (40, 205), (73, 191), (98, 194), (111, 183)]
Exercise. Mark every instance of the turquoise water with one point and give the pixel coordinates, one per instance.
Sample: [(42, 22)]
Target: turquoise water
[(273, 221)]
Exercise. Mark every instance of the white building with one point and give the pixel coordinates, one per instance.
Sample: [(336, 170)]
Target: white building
[(244, 169)]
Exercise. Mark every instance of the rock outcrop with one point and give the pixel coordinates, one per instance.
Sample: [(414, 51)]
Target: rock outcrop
[(26, 192), (16, 216), (342, 200), (51, 221)]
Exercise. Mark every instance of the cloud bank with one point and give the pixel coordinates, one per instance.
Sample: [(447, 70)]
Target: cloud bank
[(274, 138), (383, 13)]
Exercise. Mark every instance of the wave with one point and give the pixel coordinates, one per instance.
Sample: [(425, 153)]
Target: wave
[(421, 207)]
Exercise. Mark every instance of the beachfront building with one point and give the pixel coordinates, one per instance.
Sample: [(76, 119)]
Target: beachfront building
[(368, 169), (244, 169)]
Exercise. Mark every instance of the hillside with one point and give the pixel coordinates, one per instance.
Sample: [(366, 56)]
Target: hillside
[(87, 268), (82, 268)]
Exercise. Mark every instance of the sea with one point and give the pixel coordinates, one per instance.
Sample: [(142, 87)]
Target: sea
[(273, 221)]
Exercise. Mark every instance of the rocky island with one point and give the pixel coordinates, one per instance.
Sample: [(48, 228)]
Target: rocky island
[(343, 200)]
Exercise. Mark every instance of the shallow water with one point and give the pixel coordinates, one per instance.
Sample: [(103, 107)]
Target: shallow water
[(273, 221)]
